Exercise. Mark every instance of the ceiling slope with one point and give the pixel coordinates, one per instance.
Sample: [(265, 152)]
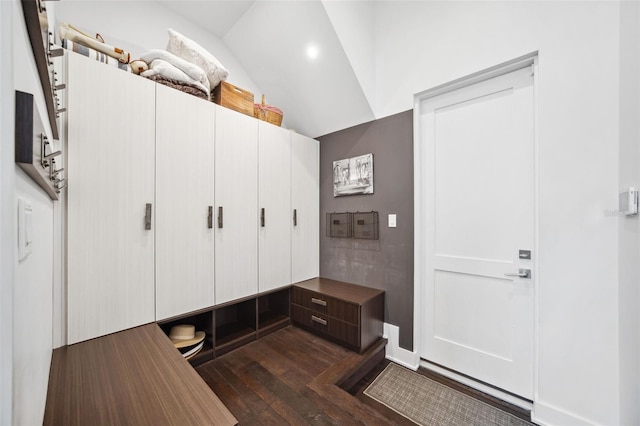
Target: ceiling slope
[(217, 17), (318, 96), (354, 25)]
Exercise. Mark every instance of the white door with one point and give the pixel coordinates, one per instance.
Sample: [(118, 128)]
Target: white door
[(274, 189), (237, 218), (478, 186), (305, 203), (111, 166), (184, 201)]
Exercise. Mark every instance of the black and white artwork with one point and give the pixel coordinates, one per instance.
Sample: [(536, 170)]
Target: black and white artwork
[(353, 176)]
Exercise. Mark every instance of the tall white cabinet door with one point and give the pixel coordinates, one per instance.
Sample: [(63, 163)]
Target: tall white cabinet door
[(236, 183), (184, 196), (111, 160), (305, 256), (274, 201)]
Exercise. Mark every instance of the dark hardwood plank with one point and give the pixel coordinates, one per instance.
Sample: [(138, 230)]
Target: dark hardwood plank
[(302, 405), (223, 381)]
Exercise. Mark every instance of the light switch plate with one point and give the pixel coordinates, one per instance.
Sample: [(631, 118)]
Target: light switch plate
[(25, 228), (628, 202), (392, 221)]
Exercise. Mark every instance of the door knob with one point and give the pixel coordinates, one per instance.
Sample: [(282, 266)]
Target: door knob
[(522, 273)]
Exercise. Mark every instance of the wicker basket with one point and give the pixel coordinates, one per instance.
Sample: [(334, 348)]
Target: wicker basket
[(267, 113)]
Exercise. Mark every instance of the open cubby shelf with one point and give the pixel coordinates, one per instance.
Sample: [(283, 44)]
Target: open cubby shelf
[(231, 332), (232, 325)]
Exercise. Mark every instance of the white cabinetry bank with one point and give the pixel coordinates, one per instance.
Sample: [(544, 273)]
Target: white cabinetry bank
[(165, 203)]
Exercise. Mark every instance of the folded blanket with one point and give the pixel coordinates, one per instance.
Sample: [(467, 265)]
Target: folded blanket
[(191, 51), (195, 72), (94, 54), (165, 69), (71, 33), (183, 87)]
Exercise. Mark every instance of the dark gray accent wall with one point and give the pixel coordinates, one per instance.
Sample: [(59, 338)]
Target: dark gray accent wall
[(386, 263)]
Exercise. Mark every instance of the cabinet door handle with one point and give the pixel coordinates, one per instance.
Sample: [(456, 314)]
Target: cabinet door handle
[(318, 320), (295, 217), (319, 301), (147, 217), (262, 217), (220, 217), (210, 218)]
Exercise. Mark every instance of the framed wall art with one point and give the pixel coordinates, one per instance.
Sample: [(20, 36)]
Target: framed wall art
[(353, 176)]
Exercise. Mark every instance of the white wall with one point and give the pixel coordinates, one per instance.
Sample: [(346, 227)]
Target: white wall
[(33, 277), (138, 26), (6, 213), (430, 43), (628, 230)]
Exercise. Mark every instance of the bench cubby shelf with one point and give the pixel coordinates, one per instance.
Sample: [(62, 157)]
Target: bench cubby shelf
[(236, 323)]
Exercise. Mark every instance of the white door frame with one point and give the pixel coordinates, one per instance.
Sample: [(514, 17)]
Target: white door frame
[(528, 60)]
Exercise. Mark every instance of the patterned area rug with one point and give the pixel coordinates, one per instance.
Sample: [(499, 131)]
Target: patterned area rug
[(427, 402)]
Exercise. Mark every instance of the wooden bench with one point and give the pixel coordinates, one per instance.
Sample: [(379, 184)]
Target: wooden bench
[(132, 377)]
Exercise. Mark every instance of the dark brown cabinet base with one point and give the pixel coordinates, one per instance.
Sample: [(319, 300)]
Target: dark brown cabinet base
[(348, 314)]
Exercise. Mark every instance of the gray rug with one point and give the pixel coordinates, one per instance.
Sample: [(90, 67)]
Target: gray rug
[(427, 402)]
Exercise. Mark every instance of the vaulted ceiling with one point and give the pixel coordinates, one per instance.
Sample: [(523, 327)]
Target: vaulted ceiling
[(312, 59)]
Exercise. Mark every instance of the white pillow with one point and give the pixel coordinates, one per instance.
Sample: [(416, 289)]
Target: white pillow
[(191, 51)]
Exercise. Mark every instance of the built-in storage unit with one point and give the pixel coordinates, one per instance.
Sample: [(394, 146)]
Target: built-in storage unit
[(111, 142), (348, 314), (184, 203), (181, 206), (234, 324)]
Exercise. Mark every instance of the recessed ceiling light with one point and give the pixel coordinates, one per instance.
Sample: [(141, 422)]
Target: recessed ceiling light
[(312, 51)]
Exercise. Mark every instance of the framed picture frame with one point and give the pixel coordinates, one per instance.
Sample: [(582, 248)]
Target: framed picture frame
[(352, 176)]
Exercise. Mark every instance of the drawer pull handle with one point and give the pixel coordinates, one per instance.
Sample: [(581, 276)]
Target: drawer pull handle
[(318, 301), (318, 320)]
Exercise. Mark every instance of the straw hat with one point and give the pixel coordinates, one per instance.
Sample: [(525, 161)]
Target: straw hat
[(185, 335)]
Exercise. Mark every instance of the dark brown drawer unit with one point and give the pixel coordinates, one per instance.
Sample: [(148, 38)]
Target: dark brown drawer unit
[(348, 314)]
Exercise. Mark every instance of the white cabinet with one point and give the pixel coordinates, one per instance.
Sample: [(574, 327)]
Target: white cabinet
[(184, 201), (306, 205), (110, 170), (237, 218), (274, 201), (199, 176)]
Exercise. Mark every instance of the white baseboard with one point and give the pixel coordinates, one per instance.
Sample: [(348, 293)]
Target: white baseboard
[(548, 415), (397, 354)]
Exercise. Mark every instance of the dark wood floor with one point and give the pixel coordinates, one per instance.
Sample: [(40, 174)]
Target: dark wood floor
[(294, 377), (289, 377)]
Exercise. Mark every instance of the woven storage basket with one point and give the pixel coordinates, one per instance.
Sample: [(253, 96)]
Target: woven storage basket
[(267, 113)]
